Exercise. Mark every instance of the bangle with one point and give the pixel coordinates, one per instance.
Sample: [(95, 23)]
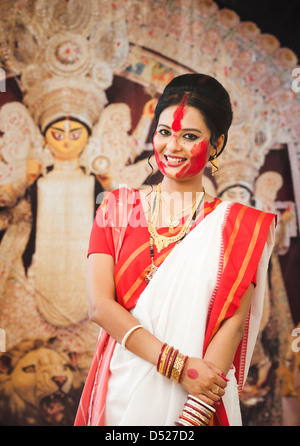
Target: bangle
[(123, 343), (163, 359), (195, 413), (159, 358), (182, 368), (171, 363), (178, 367)]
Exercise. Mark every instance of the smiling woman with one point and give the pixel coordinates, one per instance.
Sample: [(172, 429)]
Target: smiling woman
[(179, 305)]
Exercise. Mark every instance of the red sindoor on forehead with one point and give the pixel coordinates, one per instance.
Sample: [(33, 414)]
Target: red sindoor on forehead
[(178, 115)]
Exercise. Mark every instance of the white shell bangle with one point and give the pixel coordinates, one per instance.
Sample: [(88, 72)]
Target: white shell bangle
[(123, 343)]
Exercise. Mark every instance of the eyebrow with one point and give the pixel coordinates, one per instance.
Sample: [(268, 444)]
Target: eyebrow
[(182, 130), (62, 130)]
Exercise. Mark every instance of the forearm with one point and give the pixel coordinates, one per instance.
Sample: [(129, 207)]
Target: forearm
[(222, 348), (116, 321)]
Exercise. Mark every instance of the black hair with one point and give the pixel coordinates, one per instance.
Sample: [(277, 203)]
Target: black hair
[(206, 94), (63, 118)]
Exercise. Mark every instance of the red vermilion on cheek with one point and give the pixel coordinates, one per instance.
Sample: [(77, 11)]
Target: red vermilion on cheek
[(192, 373), (196, 162), (159, 163), (178, 115)]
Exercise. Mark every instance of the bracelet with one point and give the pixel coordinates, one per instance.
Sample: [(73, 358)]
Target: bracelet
[(171, 363), (123, 343), (195, 413)]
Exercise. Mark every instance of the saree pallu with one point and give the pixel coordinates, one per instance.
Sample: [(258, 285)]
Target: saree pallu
[(198, 286)]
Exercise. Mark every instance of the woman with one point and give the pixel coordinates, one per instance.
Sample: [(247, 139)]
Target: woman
[(175, 279)]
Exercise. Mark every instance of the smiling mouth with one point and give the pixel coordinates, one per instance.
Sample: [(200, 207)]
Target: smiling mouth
[(174, 160)]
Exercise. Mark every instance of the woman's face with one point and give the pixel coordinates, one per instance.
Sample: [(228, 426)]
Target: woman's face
[(181, 142)]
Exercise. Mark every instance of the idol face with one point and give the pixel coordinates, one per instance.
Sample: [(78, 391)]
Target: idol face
[(181, 142), (237, 194), (67, 139)]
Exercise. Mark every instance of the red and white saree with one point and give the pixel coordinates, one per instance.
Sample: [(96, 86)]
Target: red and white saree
[(199, 283)]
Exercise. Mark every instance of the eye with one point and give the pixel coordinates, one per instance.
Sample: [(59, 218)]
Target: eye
[(69, 367), (29, 368), (74, 136), (164, 132), (190, 136), (58, 136)]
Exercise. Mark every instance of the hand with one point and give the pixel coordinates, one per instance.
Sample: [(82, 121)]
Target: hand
[(203, 380)]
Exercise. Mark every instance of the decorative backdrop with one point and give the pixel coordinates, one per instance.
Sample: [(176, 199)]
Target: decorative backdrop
[(90, 72)]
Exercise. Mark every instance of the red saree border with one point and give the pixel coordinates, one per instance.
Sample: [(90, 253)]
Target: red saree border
[(244, 237)]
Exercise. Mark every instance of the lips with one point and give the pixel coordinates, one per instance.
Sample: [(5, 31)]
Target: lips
[(174, 161)]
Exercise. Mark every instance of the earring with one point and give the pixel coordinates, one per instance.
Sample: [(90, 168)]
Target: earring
[(214, 164)]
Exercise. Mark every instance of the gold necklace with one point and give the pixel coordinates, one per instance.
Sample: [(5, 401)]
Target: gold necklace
[(162, 241), (173, 219)]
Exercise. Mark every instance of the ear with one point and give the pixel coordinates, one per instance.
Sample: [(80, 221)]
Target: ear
[(219, 144), (216, 149)]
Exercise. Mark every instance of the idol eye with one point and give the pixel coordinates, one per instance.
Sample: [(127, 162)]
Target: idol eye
[(74, 136), (58, 136)]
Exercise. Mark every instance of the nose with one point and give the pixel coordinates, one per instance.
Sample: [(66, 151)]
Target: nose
[(59, 380), (172, 143)]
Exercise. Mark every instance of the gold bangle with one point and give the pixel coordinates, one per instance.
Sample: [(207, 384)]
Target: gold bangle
[(170, 363), (163, 358), (177, 367)]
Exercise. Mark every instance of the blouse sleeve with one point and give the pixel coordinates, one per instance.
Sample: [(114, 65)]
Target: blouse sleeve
[(101, 240)]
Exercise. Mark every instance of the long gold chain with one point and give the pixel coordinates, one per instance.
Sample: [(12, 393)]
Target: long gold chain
[(162, 241)]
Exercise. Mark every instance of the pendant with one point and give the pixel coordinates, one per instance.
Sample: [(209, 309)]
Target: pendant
[(160, 244), (151, 273), (172, 221)]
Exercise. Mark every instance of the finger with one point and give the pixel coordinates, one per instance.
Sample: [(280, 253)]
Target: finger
[(217, 392), (219, 373), (206, 399), (221, 382)]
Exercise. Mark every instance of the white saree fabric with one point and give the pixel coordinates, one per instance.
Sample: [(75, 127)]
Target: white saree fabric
[(174, 308)]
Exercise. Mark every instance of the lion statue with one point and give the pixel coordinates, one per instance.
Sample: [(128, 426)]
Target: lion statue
[(40, 385)]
